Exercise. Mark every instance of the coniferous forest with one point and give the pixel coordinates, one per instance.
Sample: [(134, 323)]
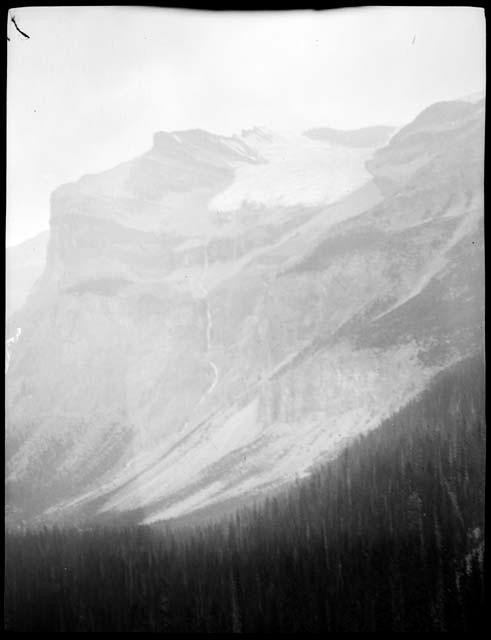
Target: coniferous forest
[(387, 537)]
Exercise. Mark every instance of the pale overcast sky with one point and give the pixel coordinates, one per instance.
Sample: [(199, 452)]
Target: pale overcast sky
[(91, 85)]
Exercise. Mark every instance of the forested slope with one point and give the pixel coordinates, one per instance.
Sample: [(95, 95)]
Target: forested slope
[(388, 537)]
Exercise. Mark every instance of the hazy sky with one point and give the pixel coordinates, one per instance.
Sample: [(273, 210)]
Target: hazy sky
[(91, 85)]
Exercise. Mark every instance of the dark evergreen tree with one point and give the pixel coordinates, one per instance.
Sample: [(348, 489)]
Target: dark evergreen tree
[(387, 537)]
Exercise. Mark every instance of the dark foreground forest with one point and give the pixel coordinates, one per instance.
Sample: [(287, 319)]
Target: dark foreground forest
[(388, 537)]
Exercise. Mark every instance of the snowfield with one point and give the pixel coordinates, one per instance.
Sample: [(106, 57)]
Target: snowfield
[(298, 171)]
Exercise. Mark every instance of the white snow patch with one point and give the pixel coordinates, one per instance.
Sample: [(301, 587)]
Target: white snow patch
[(299, 171), (9, 345)]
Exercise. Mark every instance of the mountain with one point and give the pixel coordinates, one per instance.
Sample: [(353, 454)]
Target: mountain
[(366, 137), (221, 314), (477, 96), (24, 264)]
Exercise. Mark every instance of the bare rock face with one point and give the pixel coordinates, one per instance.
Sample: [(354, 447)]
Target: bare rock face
[(24, 264), (407, 157), (220, 314)]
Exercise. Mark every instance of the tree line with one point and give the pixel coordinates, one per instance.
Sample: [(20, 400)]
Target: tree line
[(387, 537)]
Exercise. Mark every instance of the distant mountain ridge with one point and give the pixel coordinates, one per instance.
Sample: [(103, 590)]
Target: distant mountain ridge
[(365, 137)]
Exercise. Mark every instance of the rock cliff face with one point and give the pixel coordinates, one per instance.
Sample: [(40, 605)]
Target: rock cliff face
[(24, 264), (220, 314)]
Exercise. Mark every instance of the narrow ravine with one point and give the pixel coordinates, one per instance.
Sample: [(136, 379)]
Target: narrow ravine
[(209, 324)]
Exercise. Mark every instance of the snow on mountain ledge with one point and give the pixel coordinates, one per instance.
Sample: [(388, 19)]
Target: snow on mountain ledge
[(299, 171), (9, 344)]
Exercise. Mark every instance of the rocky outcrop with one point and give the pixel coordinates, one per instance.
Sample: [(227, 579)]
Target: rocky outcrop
[(443, 144), (24, 264)]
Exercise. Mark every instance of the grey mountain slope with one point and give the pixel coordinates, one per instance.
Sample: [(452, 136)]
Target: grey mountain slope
[(24, 264), (160, 375)]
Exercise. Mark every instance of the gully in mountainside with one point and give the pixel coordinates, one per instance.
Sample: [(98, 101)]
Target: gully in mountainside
[(209, 326)]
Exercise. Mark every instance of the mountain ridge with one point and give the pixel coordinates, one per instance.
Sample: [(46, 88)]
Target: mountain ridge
[(197, 337), (374, 136)]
